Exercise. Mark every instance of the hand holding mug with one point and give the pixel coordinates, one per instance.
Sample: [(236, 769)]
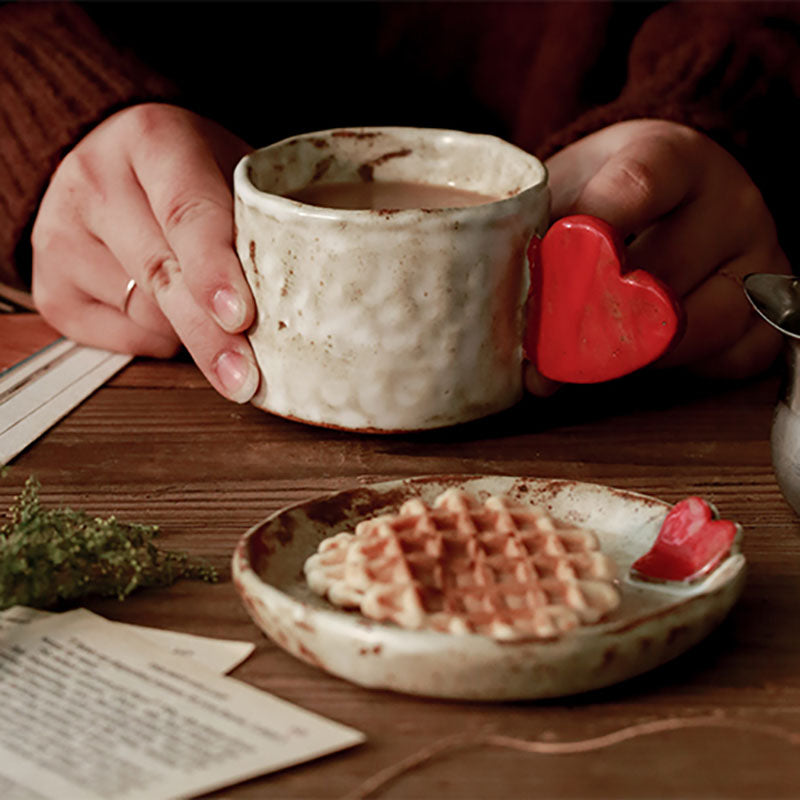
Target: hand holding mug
[(693, 218), (145, 197)]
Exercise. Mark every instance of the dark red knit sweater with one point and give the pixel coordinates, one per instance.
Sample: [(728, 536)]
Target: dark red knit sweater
[(540, 74)]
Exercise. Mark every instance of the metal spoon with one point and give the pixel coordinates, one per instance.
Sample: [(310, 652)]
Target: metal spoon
[(777, 299)]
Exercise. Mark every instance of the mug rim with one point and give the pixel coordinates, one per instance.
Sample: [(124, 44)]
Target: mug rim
[(248, 192)]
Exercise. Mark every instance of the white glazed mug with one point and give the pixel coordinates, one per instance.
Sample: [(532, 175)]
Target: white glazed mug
[(388, 320)]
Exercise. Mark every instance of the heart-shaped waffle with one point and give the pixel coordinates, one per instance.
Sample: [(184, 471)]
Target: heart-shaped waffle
[(499, 568)]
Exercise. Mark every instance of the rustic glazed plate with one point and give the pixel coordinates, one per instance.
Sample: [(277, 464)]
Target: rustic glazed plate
[(652, 624)]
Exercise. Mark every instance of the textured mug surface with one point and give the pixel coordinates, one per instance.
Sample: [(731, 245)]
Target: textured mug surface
[(383, 319)]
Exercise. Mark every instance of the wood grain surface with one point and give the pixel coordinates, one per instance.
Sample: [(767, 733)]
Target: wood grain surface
[(158, 445)]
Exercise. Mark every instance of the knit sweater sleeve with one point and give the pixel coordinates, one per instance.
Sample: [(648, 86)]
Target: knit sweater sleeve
[(58, 77), (730, 70)]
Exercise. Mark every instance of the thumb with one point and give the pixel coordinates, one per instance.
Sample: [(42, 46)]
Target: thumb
[(629, 187)]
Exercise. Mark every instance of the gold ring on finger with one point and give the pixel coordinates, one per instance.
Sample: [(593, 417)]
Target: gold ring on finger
[(130, 286)]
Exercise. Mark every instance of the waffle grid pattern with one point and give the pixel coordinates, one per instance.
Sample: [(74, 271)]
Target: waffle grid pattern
[(499, 569)]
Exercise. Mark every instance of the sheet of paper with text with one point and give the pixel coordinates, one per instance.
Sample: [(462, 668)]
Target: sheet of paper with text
[(219, 655), (92, 709)]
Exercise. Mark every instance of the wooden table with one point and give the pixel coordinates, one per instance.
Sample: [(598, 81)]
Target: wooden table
[(157, 445)]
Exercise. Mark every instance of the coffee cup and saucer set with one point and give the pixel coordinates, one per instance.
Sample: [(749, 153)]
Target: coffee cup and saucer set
[(403, 279)]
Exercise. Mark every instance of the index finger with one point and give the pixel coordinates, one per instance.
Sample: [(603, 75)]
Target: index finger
[(192, 202)]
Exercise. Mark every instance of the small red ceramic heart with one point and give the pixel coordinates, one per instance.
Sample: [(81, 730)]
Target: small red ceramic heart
[(690, 544), (587, 321)]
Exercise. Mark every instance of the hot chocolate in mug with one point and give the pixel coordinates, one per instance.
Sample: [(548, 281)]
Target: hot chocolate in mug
[(390, 271)]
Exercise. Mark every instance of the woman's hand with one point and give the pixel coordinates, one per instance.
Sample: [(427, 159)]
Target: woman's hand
[(692, 217), (146, 195)]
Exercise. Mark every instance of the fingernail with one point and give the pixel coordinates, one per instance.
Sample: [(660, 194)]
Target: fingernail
[(228, 308), (238, 375)]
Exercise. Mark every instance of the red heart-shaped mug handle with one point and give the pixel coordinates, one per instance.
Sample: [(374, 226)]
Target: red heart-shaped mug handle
[(588, 320)]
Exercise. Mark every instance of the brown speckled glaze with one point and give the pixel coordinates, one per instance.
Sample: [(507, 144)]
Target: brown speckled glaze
[(653, 624), (388, 320)]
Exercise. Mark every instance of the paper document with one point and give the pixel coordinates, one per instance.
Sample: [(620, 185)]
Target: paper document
[(38, 387), (219, 655), (91, 710)]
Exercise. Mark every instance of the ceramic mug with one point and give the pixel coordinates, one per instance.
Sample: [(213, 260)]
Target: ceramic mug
[(387, 319)]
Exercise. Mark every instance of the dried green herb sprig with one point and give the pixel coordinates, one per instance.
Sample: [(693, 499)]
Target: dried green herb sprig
[(52, 555)]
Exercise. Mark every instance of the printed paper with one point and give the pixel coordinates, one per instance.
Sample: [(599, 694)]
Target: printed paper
[(218, 655), (90, 710)]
